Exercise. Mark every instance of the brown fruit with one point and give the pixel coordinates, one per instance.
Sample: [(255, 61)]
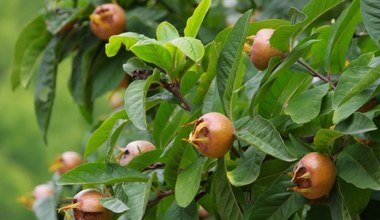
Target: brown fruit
[(115, 99), (213, 134), (132, 150), (314, 175), (67, 161), (86, 206), (261, 50), (42, 191), (107, 20)]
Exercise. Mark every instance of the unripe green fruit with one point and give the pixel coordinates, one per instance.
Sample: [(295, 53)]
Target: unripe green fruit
[(213, 135), (314, 175), (261, 50)]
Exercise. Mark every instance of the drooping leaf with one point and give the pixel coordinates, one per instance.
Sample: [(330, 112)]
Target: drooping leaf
[(195, 21), (277, 202), (45, 86), (370, 10), (188, 181), (355, 199), (127, 39), (337, 207), (166, 32), (226, 204), (306, 107), (101, 134), (138, 196), (191, 47), (324, 139), (177, 212), (229, 59), (358, 165), (29, 45), (260, 133), (114, 204), (356, 124), (135, 100), (98, 173), (247, 169)]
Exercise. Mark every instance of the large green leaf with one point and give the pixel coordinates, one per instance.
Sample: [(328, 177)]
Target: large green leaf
[(354, 199), (179, 213), (135, 100), (155, 52), (247, 169), (195, 21), (45, 86), (277, 202), (138, 196), (114, 204), (226, 204), (306, 107), (341, 35), (97, 173), (261, 134), (370, 10), (29, 45), (356, 124), (358, 165), (191, 47), (127, 39), (166, 32), (337, 208), (229, 59), (102, 133), (324, 139), (188, 181)]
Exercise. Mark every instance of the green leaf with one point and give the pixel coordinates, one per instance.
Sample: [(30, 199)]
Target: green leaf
[(29, 45), (324, 139), (135, 99), (354, 199), (341, 35), (356, 124), (138, 196), (102, 133), (152, 51), (261, 134), (166, 32), (188, 181), (247, 169), (226, 203), (370, 10), (191, 47), (127, 39), (100, 173), (180, 213), (114, 204), (306, 107), (353, 81), (277, 202), (337, 208), (358, 165), (229, 59), (195, 21), (45, 86), (142, 161), (45, 208)]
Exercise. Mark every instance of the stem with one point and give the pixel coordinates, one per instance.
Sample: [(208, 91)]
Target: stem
[(174, 89), (313, 72), (341, 146), (160, 196), (235, 152)]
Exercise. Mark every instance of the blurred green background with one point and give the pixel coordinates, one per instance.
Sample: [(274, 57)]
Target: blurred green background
[(24, 158)]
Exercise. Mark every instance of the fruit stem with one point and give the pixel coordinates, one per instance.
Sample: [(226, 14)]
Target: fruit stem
[(313, 72)]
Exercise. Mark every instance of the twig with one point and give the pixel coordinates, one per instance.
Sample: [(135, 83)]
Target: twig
[(160, 196), (313, 72), (174, 89)]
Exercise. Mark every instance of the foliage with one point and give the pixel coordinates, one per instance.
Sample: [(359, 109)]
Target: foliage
[(323, 96)]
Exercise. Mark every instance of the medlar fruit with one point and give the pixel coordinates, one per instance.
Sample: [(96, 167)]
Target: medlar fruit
[(67, 161), (213, 134), (107, 20), (261, 50), (314, 175), (132, 150)]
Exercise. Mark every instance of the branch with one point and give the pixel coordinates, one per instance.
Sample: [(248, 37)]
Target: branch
[(174, 89), (313, 72)]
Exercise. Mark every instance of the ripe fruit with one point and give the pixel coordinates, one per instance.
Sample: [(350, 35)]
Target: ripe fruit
[(115, 99), (261, 50), (212, 135), (203, 214), (132, 150), (314, 175), (42, 191), (86, 206), (67, 161), (107, 20)]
